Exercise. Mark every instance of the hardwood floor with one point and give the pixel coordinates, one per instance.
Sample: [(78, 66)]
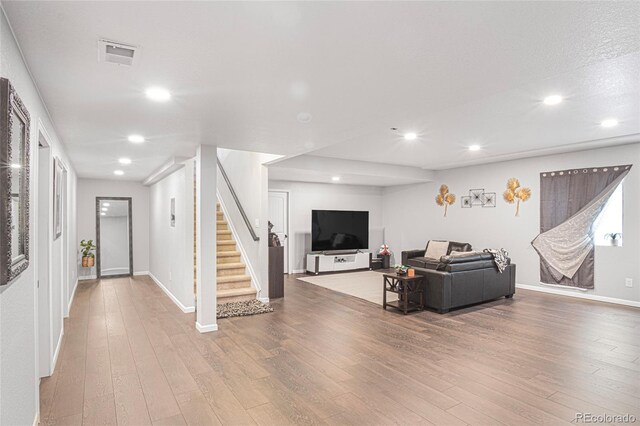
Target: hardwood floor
[(130, 357)]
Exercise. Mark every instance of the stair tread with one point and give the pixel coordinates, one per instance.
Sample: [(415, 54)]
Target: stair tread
[(234, 265), (221, 222), (223, 231), (233, 278), (228, 253), (231, 292)]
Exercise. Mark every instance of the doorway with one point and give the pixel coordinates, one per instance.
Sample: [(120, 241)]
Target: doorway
[(279, 217), (43, 249), (114, 237)]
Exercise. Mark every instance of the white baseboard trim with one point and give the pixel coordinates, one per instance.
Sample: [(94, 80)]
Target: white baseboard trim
[(263, 299), (206, 328), (142, 273), (73, 295), (87, 277), (54, 361), (579, 295), (36, 420), (185, 309), (298, 271)]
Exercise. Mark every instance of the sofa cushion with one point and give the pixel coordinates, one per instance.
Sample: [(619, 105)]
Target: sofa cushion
[(436, 249), (456, 246), (462, 257), (466, 266), (423, 263)]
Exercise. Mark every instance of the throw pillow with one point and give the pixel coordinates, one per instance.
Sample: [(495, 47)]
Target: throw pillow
[(436, 249)]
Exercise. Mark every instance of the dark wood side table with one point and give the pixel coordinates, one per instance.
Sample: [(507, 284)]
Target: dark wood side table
[(404, 287)]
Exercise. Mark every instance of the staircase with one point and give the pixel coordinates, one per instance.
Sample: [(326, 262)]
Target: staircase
[(233, 283)]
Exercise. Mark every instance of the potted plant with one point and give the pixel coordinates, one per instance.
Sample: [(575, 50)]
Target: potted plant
[(88, 258), (614, 238)]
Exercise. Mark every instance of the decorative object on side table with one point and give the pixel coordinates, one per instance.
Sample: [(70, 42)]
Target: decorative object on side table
[(401, 269), (274, 240), (14, 183), (516, 193), (445, 198), (614, 238), (88, 257)]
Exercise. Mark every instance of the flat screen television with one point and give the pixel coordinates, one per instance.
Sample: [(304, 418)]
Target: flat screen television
[(339, 230)]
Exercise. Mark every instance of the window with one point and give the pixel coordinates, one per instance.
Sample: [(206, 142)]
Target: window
[(610, 221)]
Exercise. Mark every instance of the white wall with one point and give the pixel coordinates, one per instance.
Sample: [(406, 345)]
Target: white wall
[(88, 190), (171, 248), (114, 245), (410, 227), (18, 301), (249, 179), (305, 197)]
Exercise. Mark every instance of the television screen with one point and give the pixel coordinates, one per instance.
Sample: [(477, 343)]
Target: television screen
[(339, 230)]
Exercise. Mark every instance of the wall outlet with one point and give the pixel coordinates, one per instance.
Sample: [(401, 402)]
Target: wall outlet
[(628, 282), (257, 222)]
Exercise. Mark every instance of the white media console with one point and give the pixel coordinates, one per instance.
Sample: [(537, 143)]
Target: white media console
[(318, 262)]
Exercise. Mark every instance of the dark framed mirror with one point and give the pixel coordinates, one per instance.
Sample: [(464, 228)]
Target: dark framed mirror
[(14, 183), (114, 237)]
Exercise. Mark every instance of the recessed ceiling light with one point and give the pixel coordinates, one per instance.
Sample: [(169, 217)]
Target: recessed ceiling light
[(104, 209), (336, 178), (304, 117), (158, 94), (118, 172), (15, 166), (136, 138), (410, 136), (124, 160), (553, 100), (103, 214), (106, 204), (474, 148), (609, 122)]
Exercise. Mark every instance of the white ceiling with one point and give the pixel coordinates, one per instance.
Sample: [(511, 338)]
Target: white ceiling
[(457, 73)]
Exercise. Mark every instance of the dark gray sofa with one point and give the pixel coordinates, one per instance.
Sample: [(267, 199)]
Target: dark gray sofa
[(462, 279)]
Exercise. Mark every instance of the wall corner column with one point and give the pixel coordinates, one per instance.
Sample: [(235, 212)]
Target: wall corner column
[(206, 199)]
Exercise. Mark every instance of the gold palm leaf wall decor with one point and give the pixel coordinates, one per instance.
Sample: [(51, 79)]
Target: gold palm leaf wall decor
[(515, 194), (445, 198)]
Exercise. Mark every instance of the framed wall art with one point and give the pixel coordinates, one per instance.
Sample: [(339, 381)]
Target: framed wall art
[(14, 183), (173, 213), (59, 174)]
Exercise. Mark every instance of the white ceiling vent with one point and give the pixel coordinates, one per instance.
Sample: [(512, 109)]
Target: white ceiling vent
[(117, 53)]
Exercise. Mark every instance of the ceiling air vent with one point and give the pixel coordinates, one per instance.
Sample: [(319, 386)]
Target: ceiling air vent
[(117, 53)]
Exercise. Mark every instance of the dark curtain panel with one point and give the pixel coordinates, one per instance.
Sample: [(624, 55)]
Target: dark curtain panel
[(563, 194)]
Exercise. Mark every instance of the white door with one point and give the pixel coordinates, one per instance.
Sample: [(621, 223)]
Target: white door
[(279, 216)]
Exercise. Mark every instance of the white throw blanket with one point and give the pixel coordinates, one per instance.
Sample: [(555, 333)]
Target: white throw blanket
[(500, 257)]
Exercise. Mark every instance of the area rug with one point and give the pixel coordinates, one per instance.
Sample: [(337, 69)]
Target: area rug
[(365, 285), (242, 309)]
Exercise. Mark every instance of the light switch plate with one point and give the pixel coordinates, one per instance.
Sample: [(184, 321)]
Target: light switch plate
[(628, 282)]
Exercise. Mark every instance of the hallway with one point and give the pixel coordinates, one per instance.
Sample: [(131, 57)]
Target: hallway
[(129, 357)]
